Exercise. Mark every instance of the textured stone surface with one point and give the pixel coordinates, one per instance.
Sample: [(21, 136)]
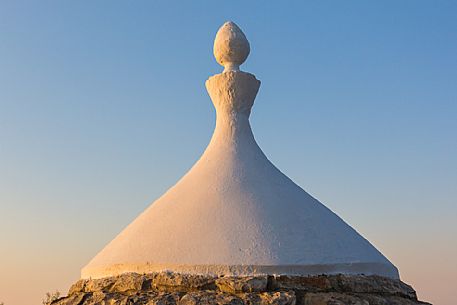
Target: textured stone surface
[(169, 281), (242, 284), (344, 283), (167, 288), (335, 298)]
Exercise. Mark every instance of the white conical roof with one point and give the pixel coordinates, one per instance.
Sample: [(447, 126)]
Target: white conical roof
[(234, 212)]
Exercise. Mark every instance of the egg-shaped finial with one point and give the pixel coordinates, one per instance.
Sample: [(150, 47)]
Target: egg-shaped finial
[(231, 48)]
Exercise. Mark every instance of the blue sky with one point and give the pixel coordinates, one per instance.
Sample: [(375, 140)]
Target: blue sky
[(103, 108)]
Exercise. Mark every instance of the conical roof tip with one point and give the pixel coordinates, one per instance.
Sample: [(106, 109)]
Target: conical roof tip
[(234, 212)]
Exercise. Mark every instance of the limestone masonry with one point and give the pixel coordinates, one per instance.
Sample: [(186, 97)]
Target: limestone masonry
[(177, 289)]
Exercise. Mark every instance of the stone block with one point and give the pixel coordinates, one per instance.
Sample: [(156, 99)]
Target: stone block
[(242, 284)]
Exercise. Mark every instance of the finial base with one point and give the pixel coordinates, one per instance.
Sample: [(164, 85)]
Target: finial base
[(231, 67), (232, 91)]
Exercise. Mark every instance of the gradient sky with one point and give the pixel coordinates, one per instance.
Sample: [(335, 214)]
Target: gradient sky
[(103, 108)]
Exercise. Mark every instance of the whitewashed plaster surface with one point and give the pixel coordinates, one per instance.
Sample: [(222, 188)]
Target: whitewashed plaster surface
[(235, 213)]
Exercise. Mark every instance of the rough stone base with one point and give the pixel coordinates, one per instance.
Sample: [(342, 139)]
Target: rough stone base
[(168, 288)]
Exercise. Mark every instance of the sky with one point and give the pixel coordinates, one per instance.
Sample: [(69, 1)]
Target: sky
[(103, 108)]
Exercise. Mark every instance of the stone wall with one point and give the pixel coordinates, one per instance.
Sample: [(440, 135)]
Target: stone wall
[(168, 288)]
